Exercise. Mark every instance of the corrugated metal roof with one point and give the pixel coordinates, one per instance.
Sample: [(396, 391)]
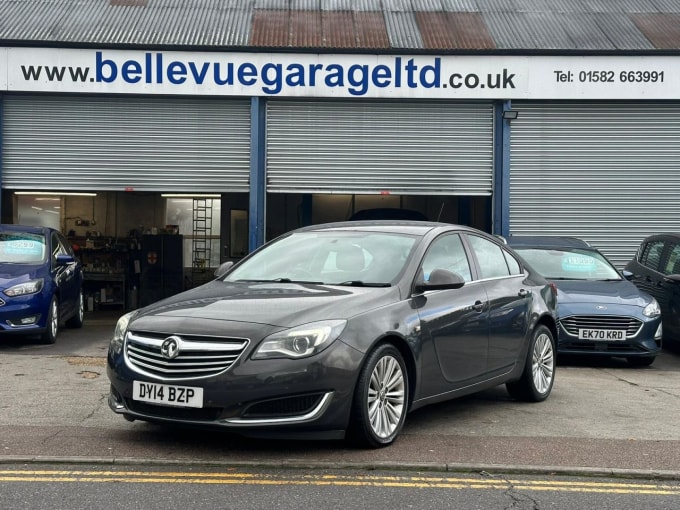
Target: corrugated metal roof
[(364, 25)]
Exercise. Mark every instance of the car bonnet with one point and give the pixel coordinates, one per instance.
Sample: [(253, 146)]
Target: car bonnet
[(271, 303)]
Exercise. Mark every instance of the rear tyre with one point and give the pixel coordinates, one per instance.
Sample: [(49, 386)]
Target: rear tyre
[(50, 334), (380, 398), (77, 320), (636, 361), (538, 377)]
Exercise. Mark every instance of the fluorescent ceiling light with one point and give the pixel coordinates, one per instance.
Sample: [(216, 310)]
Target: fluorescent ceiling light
[(190, 195), (53, 193)]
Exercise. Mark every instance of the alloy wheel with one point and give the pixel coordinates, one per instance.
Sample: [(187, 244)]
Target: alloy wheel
[(543, 363), (386, 396)]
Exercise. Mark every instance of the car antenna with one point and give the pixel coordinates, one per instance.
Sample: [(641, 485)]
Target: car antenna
[(441, 210)]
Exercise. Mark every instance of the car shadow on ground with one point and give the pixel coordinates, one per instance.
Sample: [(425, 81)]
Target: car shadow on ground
[(572, 360)]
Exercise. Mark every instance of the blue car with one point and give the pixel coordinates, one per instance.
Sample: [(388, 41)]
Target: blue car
[(600, 312), (40, 282)]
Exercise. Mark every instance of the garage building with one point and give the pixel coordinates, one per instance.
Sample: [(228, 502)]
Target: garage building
[(230, 122)]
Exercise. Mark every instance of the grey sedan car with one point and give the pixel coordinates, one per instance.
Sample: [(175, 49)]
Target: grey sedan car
[(338, 330)]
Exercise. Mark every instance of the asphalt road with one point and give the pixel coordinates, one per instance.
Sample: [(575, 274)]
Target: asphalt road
[(602, 418)]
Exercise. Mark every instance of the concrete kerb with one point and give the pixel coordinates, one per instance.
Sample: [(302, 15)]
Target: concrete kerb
[(436, 467)]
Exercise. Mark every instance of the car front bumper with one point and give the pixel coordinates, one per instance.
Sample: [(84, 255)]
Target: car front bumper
[(309, 397)]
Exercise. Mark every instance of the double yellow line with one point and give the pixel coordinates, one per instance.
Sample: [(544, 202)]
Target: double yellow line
[(418, 482)]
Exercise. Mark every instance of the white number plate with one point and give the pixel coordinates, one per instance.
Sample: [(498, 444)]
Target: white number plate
[(602, 335), (168, 395)]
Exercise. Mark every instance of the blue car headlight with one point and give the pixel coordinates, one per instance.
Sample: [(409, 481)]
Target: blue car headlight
[(302, 341), (29, 287), (118, 339), (652, 309)]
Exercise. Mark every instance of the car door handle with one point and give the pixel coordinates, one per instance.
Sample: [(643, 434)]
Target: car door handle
[(523, 292), (478, 306)]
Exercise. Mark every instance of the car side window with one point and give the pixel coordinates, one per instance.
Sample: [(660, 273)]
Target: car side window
[(447, 252), (66, 246), (651, 255), (513, 265), (673, 264), (56, 247), (490, 256), (59, 247)]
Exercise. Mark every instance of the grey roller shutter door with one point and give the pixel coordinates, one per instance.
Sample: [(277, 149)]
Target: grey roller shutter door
[(373, 147), (608, 173), (117, 143)]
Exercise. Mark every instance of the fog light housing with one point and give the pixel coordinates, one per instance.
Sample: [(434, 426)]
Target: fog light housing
[(659, 332), (24, 321)]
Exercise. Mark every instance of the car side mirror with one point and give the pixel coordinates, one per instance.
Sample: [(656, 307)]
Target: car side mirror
[(222, 270), (440, 279), (628, 275), (64, 259)]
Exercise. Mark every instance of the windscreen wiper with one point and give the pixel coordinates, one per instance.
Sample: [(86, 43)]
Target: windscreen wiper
[(360, 283), (280, 280), (288, 280)]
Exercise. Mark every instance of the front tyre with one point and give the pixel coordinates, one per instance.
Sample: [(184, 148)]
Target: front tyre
[(78, 318), (538, 376), (380, 398), (52, 325)]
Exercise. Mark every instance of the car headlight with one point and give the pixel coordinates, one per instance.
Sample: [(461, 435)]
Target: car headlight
[(29, 287), (118, 339), (652, 309), (302, 341)]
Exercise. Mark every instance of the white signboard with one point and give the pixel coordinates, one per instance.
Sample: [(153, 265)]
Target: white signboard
[(343, 76)]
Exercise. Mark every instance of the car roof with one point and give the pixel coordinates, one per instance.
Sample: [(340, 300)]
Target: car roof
[(31, 229), (661, 235), (391, 226), (547, 242), (388, 213)]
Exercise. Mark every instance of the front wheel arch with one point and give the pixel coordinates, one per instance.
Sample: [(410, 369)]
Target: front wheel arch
[(381, 398), (538, 375)]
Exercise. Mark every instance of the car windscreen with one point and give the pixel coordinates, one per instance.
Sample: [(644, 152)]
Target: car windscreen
[(22, 248), (569, 263), (329, 257)]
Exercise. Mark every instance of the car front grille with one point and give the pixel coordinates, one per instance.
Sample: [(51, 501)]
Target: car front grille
[(194, 357), (573, 323)]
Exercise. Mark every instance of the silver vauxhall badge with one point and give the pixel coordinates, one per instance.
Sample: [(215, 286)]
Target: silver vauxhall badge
[(170, 347)]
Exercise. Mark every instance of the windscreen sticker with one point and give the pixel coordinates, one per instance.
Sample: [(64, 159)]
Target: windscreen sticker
[(22, 246), (578, 263)]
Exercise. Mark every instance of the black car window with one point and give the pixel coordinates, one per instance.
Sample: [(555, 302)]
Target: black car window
[(447, 252), (673, 264), (651, 255), (490, 256)]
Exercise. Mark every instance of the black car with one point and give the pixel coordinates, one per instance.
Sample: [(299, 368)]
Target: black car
[(339, 328), (599, 312), (40, 282), (656, 270)]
